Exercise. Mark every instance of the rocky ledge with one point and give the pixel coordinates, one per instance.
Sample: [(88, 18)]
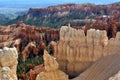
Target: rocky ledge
[(52, 71)]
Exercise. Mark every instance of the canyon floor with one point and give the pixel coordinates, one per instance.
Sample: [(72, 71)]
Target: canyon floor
[(38, 53)]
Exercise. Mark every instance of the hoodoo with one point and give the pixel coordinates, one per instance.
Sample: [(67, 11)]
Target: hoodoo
[(8, 63), (52, 71), (75, 51)]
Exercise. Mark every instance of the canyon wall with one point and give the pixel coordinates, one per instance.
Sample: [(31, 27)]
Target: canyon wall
[(52, 71), (8, 64), (75, 51)]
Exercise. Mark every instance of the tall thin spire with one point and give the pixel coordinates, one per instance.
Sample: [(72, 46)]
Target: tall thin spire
[(68, 24)]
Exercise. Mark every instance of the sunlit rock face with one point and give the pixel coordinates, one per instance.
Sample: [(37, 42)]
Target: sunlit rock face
[(52, 71), (115, 77), (75, 51), (8, 63), (30, 48)]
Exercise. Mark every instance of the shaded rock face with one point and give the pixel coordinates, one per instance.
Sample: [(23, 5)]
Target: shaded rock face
[(8, 63), (75, 52), (51, 35), (32, 33), (26, 33), (51, 69), (7, 35), (29, 51), (111, 27), (34, 72), (51, 47), (40, 36)]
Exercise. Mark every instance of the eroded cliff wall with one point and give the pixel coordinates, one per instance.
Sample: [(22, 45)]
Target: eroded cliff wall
[(75, 51)]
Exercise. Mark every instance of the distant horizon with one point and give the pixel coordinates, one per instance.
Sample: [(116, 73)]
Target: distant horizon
[(43, 4)]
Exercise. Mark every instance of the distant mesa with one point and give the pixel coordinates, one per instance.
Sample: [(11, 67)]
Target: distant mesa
[(76, 14)]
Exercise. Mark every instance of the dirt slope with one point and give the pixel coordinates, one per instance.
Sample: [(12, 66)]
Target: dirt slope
[(103, 69)]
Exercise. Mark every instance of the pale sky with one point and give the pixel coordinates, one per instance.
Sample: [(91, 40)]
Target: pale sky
[(62, 1), (45, 3)]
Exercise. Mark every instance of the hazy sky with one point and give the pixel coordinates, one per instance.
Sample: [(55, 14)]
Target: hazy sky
[(44, 3)]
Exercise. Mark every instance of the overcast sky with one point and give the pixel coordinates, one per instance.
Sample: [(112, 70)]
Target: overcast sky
[(45, 3)]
